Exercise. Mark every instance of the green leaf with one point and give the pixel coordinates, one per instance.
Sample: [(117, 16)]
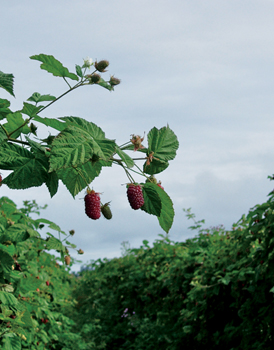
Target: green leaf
[(17, 233), (54, 243), (15, 120), (36, 97), (29, 169), (4, 110), (152, 199), (6, 82), (8, 299), (167, 212), (125, 157), (155, 167), (6, 260), (53, 123), (163, 143), (10, 249), (30, 109), (52, 65), (29, 284), (52, 183), (76, 179), (3, 135), (105, 84), (78, 143), (11, 342), (79, 71)]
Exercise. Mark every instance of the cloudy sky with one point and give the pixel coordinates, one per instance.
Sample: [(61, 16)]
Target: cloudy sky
[(203, 67)]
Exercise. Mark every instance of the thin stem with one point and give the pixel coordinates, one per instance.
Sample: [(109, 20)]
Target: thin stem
[(5, 131), (128, 142), (19, 127), (18, 141), (67, 82)]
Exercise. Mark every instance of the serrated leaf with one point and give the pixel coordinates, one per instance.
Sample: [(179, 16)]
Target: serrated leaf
[(167, 211), (6, 82), (155, 167), (36, 97), (163, 143), (15, 121), (53, 123), (17, 233), (54, 243), (30, 109), (52, 65), (125, 157), (29, 169), (76, 179), (79, 71), (52, 183), (78, 143), (152, 199), (6, 261), (4, 110)]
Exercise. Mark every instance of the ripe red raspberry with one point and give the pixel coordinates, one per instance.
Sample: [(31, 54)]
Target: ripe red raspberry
[(92, 205), (135, 196)]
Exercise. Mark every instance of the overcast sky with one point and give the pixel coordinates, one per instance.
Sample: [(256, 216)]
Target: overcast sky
[(203, 67)]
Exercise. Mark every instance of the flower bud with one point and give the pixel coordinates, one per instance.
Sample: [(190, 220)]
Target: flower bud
[(114, 81), (71, 232), (101, 65), (94, 78), (87, 62), (80, 251), (137, 142), (152, 179)]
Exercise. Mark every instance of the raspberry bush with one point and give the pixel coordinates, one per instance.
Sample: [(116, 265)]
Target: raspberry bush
[(79, 150)]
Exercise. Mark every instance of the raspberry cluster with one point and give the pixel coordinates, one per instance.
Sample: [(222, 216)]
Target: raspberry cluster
[(93, 205), (135, 196)]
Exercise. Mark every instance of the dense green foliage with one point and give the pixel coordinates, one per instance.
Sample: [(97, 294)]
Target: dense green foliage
[(35, 289), (214, 291)]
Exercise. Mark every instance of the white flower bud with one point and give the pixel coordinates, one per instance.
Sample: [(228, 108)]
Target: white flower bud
[(87, 62)]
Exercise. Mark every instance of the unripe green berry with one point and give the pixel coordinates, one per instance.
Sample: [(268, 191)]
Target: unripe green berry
[(105, 210)]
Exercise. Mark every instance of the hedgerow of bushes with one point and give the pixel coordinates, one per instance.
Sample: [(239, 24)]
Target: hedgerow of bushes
[(214, 291), (35, 286)]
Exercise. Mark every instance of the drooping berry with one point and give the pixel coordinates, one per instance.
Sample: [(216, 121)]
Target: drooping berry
[(135, 196), (93, 205), (67, 259), (47, 283), (105, 209)]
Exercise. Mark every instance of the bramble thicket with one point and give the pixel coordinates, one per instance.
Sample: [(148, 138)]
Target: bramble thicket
[(213, 291)]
